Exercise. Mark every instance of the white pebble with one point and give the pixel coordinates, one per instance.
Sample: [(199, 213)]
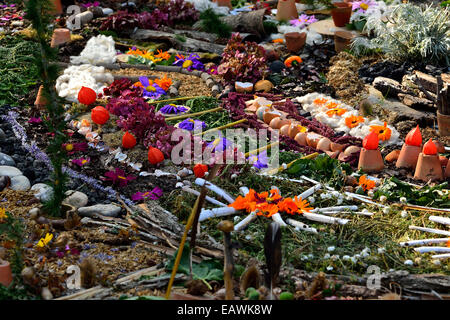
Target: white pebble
[(381, 250), (284, 165), (386, 210), (326, 256), (409, 262), (329, 268), (403, 200), (331, 249), (404, 214), (437, 262), (383, 199), (346, 258)]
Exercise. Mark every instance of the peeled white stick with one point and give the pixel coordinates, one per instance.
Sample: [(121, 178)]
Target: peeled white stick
[(324, 219), (423, 241), (432, 249), (277, 218), (363, 199), (301, 226), (437, 231), (216, 212), (202, 182), (441, 220), (336, 208), (441, 256), (245, 222), (244, 190), (195, 192), (310, 191)]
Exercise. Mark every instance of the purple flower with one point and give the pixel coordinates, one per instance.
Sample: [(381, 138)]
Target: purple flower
[(91, 4), (219, 144), (152, 90), (81, 161), (212, 70), (303, 20), (192, 125), (190, 63), (118, 176), (260, 161), (155, 194), (35, 120), (173, 109), (362, 5)]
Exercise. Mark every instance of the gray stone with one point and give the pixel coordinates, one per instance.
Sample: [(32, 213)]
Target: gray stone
[(397, 112), (388, 87), (109, 210), (20, 183), (9, 171), (43, 192), (2, 135), (76, 198), (6, 160), (108, 11)]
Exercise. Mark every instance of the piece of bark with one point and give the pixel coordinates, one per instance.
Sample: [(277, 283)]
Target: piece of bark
[(187, 44), (249, 22), (430, 82), (415, 102)]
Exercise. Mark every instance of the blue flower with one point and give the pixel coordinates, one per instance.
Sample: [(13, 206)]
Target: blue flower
[(260, 161), (190, 63), (151, 90), (173, 109), (192, 125), (219, 144)]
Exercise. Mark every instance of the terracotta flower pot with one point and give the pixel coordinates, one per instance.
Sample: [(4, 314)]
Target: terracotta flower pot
[(5, 273), (57, 7), (447, 170), (341, 14), (40, 99), (428, 167), (60, 36), (342, 40), (224, 3), (443, 124), (408, 156), (286, 10), (370, 160), (295, 41)]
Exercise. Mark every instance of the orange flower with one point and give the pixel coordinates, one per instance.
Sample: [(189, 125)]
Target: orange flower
[(288, 205), (365, 183), (353, 121), (384, 133), (163, 55), (448, 243), (320, 101), (292, 60), (302, 205), (336, 111), (247, 203), (164, 82), (279, 40), (332, 105), (266, 209)]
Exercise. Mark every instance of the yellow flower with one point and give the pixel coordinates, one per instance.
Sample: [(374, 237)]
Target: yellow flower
[(45, 241), (3, 214)]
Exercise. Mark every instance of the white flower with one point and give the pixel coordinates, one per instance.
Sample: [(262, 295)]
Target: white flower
[(409, 262), (234, 176), (353, 259), (437, 262), (383, 199), (304, 258), (357, 256), (329, 268), (248, 237), (326, 256), (403, 200), (404, 213), (381, 250), (346, 258), (331, 249), (386, 210), (310, 255)]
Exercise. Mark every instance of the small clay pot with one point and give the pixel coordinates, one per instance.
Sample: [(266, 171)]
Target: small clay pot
[(447, 171), (443, 124), (60, 36), (342, 40), (428, 168), (57, 7), (370, 160), (278, 122), (286, 10), (295, 41), (408, 156), (341, 13), (392, 156), (300, 138), (224, 3), (443, 160), (5, 273), (324, 144)]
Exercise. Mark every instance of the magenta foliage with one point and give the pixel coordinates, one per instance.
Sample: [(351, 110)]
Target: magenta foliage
[(123, 106), (242, 61), (121, 22), (118, 87)]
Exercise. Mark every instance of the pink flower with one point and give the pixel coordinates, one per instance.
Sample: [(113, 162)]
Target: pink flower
[(118, 177), (155, 194), (35, 120), (303, 20), (362, 5), (81, 161)]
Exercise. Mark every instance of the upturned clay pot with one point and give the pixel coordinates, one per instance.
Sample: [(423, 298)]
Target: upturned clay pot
[(270, 114), (341, 13), (443, 124), (342, 40), (408, 156), (286, 10), (243, 87), (312, 139), (40, 99), (295, 41), (224, 3), (5, 273), (278, 122), (439, 145), (370, 160), (447, 171), (60, 36), (284, 130), (428, 168), (392, 156), (324, 144), (57, 7), (300, 138)]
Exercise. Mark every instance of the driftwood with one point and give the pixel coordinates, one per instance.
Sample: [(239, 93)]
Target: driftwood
[(248, 22), (187, 44)]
